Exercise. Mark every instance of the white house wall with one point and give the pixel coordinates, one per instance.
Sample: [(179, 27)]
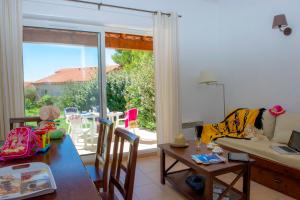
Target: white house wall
[(55, 90)]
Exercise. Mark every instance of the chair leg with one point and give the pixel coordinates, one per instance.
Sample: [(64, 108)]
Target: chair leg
[(99, 187), (85, 137)]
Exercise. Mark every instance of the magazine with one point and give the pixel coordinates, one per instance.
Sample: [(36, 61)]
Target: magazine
[(217, 191), (26, 184), (208, 158)]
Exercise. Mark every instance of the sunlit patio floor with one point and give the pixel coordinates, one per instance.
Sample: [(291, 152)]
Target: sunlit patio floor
[(148, 140)]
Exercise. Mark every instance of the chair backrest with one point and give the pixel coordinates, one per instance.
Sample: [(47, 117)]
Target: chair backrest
[(103, 149), (20, 121), (132, 114), (124, 185), (131, 118), (70, 111), (75, 120)]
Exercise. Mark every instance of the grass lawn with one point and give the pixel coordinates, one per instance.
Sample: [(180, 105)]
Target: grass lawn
[(61, 121), (32, 112)]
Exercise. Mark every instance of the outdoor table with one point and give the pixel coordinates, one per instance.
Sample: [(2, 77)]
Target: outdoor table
[(115, 117)]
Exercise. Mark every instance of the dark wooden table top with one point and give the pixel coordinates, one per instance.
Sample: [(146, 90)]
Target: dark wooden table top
[(70, 175), (184, 156)]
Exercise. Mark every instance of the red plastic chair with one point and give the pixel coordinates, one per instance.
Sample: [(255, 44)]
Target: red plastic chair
[(131, 118)]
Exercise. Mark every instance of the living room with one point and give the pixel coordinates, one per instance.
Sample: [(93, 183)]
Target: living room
[(246, 52)]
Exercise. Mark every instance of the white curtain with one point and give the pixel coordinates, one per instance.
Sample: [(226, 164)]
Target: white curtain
[(167, 83), (11, 68)]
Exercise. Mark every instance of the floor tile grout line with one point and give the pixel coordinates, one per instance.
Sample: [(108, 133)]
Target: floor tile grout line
[(159, 184)]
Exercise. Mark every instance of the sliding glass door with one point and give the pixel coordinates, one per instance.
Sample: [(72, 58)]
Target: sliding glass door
[(61, 68)]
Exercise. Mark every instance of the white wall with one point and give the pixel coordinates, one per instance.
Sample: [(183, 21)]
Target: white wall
[(259, 65), (197, 38), (234, 38)]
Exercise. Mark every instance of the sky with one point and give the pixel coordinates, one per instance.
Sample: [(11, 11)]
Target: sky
[(41, 60)]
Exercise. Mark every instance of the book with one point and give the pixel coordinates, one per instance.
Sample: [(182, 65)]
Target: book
[(22, 184), (208, 158)]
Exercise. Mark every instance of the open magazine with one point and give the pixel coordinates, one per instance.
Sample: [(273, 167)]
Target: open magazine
[(18, 182), (208, 158)]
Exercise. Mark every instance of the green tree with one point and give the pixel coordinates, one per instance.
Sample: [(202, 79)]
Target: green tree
[(139, 89), (132, 59), (140, 94)]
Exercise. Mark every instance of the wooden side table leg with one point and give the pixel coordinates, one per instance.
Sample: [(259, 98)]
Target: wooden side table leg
[(162, 166), (246, 182), (208, 190)]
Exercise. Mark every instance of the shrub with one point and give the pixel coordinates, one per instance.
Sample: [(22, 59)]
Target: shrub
[(46, 100), (30, 94), (115, 90), (140, 94), (29, 104), (139, 89), (83, 96)]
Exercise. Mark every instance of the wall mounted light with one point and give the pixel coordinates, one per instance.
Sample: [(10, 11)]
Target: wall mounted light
[(280, 22)]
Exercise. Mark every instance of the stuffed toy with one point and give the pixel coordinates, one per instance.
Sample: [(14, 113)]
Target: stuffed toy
[(253, 133), (47, 127), (48, 114)]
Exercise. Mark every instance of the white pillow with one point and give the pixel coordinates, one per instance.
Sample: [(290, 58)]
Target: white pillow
[(285, 124), (268, 121)]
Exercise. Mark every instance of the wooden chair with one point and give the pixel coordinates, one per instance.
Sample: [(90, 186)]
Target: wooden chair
[(123, 184), (20, 121), (99, 171)]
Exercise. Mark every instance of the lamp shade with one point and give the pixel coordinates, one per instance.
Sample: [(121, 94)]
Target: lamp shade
[(279, 21), (207, 77)]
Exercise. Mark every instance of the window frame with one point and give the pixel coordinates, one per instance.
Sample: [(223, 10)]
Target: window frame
[(77, 25)]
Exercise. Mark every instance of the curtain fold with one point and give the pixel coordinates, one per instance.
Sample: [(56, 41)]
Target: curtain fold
[(167, 82), (11, 67)]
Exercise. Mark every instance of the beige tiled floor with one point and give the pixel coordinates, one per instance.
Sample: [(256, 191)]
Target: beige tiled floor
[(148, 187)]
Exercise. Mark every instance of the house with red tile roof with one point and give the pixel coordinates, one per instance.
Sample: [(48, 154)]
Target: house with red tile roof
[(28, 85), (54, 84)]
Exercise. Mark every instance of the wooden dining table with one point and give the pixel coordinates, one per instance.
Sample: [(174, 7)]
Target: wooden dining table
[(71, 177)]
